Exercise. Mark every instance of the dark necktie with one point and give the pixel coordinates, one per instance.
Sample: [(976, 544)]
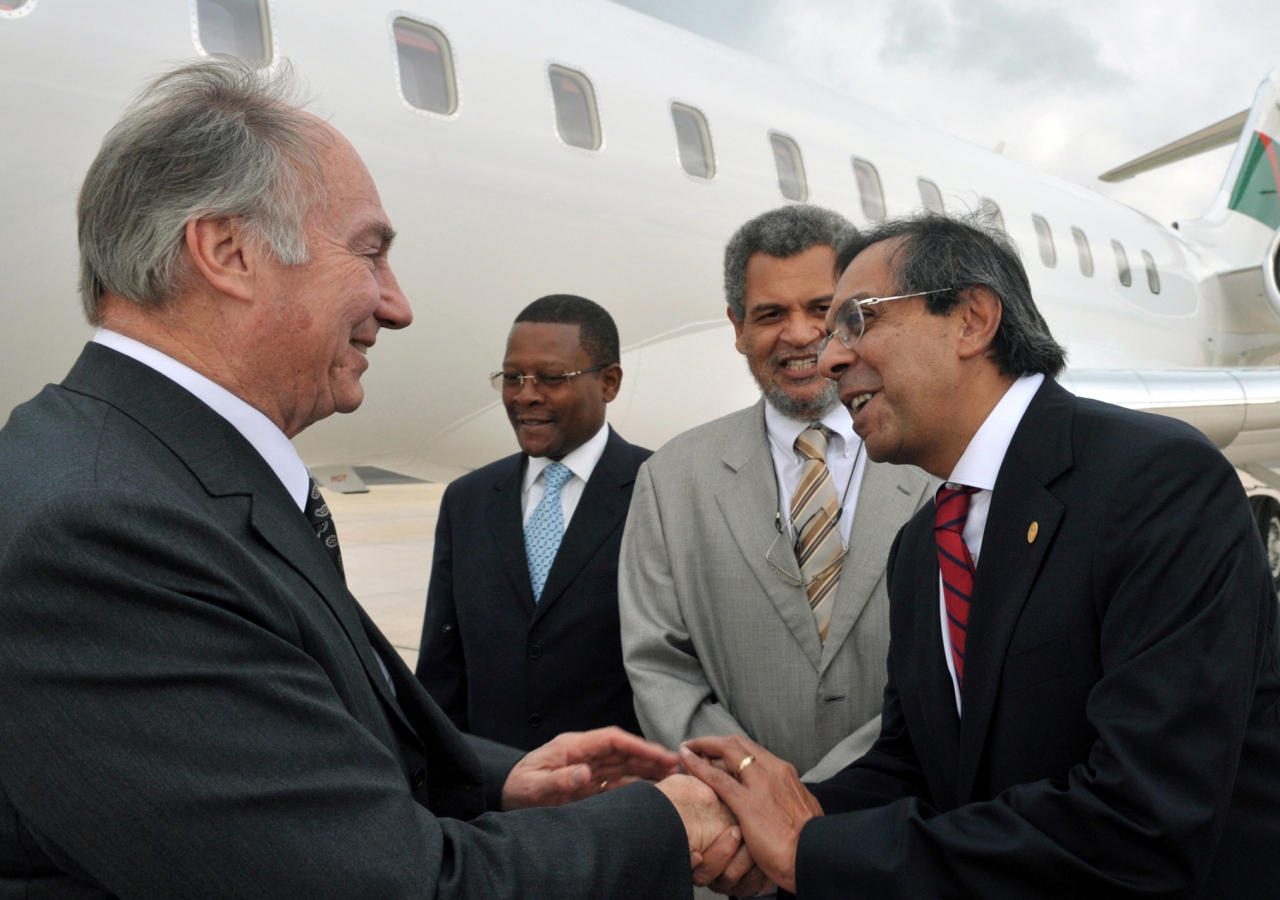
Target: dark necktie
[(322, 523), (955, 563)]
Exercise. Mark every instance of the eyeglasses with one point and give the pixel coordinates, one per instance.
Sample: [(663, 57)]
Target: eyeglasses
[(502, 381), (851, 323)]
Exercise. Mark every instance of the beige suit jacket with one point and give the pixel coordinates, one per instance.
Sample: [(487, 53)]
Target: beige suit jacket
[(717, 634)]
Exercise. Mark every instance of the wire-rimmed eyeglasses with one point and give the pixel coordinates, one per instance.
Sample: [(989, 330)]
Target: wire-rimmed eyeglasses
[(502, 381), (850, 323)]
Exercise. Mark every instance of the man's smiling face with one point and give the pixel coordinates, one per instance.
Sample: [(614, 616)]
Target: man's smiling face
[(899, 381), (783, 326)]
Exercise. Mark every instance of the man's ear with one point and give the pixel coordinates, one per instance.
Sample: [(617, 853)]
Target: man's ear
[(980, 313), (222, 255), (737, 328), (611, 382)]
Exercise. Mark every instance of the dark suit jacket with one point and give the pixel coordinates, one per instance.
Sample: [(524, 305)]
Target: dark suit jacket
[(501, 666), (191, 702), (1120, 734)]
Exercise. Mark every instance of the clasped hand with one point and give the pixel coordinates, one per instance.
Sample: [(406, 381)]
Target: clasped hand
[(577, 765)]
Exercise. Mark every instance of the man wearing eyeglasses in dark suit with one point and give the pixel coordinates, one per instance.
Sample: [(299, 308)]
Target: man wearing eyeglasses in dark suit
[(520, 641)]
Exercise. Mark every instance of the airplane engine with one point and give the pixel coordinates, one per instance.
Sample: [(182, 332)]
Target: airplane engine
[(1271, 273)]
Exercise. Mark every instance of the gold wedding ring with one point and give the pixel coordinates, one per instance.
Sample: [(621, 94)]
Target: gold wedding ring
[(604, 784), (745, 762)]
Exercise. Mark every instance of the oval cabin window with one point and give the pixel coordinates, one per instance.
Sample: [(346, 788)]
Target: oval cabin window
[(1044, 236), (427, 80), (790, 165), (1083, 251), (1122, 263), (1153, 274), (869, 190), (577, 120), (930, 196), (693, 139), (239, 28), (990, 210)]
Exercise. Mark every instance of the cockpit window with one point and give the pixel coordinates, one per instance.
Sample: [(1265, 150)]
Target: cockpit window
[(577, 119), (427, 79), (693, 139), (239, 28), (790, 165)]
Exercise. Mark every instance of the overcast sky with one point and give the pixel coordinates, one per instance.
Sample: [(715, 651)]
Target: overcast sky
[(1072, 88)]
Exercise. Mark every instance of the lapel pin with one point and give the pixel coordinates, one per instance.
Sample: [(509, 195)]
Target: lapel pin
[(1032, 532)]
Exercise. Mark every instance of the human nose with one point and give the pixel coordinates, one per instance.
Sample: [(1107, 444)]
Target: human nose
[(801, 330), (393, 306), (527, 394), (835, 357)]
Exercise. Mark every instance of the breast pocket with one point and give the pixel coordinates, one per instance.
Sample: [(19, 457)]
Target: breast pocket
[(1035, 665)]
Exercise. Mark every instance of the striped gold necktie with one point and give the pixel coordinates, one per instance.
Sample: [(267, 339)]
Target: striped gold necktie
[(814, 511)]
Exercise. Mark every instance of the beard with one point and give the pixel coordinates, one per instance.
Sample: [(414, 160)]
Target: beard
[(810, 409)]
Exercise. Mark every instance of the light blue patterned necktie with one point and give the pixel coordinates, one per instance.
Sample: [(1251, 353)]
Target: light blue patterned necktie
[(545, 529)]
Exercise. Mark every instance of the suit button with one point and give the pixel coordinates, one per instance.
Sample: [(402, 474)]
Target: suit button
[(535, 720), (535, 651), (417, 779)]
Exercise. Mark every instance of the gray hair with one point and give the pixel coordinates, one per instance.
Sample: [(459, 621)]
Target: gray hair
[(212, 139), (952, 253), (782, 232)]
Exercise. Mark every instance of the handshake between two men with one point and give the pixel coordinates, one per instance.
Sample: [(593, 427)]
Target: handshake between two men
[(742, 807)]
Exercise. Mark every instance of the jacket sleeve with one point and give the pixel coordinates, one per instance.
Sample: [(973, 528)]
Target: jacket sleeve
[(674, 701), (1187, 611), (167, 733), (442, 664)]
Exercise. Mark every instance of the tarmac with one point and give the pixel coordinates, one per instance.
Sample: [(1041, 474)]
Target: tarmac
[(387, 537)]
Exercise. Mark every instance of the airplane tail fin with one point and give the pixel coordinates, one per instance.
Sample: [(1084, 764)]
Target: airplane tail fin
[(1253, 177)]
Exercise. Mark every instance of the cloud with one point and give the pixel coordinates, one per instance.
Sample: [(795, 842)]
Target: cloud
[(1017, 45)]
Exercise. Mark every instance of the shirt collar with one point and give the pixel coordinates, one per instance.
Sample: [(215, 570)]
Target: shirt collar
[(783, 430), (581, 462), (270, 442), (980, 463)]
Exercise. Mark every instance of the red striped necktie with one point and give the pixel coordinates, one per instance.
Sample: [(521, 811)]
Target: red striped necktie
[(955, 563)]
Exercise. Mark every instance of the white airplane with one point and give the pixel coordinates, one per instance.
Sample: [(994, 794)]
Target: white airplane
[(577, 146)]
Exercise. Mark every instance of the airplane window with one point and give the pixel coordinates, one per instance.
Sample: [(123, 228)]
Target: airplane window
[(577, 120), (869, 189), (989, 209), (1122, 263), (240, 28), (791, 180), (1153, 274), (693, 138), (1086, 255), (427, 79), (1048, 255), (930, 196)]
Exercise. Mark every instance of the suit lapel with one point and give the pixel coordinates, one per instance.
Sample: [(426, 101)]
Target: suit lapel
[(750, 508), (603, 506), (283, 527), (226, 464), (936, 697), (504, 513), (887, 494), (1009, 563)]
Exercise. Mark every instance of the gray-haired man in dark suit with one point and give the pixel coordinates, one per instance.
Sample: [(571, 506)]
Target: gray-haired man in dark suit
[(194, 704)]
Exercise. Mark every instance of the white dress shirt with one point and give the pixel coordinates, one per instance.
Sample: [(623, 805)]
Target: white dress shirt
[(270, 442), (978, 467), (581, 462), (845, 461)]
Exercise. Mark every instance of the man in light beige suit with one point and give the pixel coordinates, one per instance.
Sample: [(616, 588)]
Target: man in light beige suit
[(742, 610)]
